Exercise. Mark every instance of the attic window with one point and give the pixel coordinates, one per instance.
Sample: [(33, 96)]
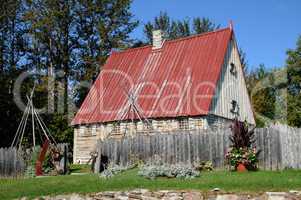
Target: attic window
[(234, 108), (183, 124), (233, 68)]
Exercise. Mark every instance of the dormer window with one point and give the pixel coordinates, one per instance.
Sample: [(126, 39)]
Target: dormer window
[(234, 108), (233, 69)]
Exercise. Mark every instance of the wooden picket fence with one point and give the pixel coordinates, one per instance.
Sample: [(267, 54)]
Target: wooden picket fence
[(280, 147), (11, 162)]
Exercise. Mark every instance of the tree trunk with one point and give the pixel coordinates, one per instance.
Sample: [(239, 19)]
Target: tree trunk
[(51, 81)]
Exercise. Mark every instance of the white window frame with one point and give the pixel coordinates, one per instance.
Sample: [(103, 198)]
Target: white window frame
[(81, 131), (183, 123), (116, 129), (93, 131)]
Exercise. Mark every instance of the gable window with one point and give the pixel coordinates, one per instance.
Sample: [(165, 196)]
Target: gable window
[(183, 124), (234, 108), (233, 69)]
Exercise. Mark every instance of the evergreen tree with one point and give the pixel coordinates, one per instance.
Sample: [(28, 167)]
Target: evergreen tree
[(203, 25), (68, 41), (101, 27), (12, 41), (294, 85), (178, 28), (12, 53), (53, 40)]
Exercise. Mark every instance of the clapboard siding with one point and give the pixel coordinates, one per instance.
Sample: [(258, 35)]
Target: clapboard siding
[(279, 145), (232, 87)]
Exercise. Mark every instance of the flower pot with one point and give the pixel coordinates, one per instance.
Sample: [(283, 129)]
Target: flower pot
[(241, 168)]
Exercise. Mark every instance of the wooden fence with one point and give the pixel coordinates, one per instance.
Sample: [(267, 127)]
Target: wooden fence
[(279, 145), (11, 162)]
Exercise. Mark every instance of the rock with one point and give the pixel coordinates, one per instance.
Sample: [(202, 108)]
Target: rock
[(158, 194), (135, 196), (149, 198), (295, 192), (228, 197), (192, 196), (122, 197), (215, 190), (173, 196), (142, 194), (108, 194), (277, 196)]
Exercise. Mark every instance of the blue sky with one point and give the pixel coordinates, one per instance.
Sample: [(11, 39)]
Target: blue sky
[(265, 29)]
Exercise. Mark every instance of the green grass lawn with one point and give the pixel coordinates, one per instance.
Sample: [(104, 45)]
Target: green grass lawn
[(76, 168), (227, 181)]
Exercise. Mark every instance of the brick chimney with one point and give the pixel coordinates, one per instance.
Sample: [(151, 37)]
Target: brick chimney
[(157, 39)]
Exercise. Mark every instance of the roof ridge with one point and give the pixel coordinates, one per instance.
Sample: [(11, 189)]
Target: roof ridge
[(132, 49), (197, 35), (173, 40)]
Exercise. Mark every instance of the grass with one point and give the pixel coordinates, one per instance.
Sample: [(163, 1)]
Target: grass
[(77, 168), (227, 181)]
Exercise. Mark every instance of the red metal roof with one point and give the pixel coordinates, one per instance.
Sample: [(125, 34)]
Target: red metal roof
[(177, 80)]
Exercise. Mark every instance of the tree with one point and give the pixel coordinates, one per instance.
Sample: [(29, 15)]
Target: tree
[(50, 25), (101, 27), (12, 40), (203, 25), (264, 102), (294, 69), (243, 60), (293, 63), (178, 28), (12, 52)]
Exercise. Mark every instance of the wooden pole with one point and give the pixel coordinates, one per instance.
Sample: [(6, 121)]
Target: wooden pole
[(33, 127)]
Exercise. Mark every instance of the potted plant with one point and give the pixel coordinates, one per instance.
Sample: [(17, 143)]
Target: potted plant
[(242, 159), (241, 155)]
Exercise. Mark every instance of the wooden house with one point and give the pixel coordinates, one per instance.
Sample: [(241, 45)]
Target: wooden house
[(195, 82)]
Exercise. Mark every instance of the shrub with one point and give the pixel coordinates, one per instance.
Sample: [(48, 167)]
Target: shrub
[(30, 172), (113, 170), (170, 171), (203, 166)]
